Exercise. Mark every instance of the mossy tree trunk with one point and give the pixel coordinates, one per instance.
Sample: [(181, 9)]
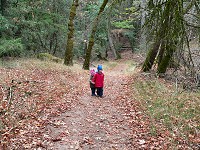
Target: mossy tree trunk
[(166, 34), (170, 48), (68, 60), (148, 63), (86, 63), (161, 51)]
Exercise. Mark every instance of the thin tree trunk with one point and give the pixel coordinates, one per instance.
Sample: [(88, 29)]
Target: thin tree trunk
[(143, 40), (56, 46), (68, 60), (3, 6), (198, 14), (53, 37), (91, 40), (112, 47), (85, 38), (51, 43)]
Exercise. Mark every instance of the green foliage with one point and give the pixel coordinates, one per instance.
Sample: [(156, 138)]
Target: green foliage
[(11, 48), (4, 24), (41, 25), (126, 24), (6, 27)]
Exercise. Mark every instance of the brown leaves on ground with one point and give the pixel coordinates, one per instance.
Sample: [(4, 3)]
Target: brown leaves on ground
[(29, 97), (52, 108)]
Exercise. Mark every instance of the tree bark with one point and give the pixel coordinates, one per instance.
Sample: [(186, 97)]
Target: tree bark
[(143, 40), (86, 64), (170, 48), (161, 52), (151, 56), (3, 6), (198, 14), (68, 60), (110, 40)]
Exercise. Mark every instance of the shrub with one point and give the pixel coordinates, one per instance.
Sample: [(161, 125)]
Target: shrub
[(48, 57), (11, 48)]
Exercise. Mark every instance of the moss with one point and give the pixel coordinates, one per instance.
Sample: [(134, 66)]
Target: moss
[(44, 56), (91, 41), (166, 59), (70, 42), (151, 57), (48, 57), (57, 60)]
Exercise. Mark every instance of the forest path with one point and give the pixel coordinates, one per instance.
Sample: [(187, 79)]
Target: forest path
[(53, 108), (97, 123)]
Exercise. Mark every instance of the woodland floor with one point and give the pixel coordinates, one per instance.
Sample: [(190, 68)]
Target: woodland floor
[(61, 114)]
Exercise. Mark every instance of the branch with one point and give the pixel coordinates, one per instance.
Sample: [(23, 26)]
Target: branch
[(10, 98), (192, 25)]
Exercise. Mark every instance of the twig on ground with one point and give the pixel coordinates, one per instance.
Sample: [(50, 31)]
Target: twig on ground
[(10, 98)]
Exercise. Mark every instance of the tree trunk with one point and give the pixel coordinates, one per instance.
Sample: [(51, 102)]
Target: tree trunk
[(86, 64), (151, 57), (3, 7), (170, 48), (143, 40), (161, 52), (85, 34), (56, 46), (68, 60), (112, 47), (198, 14)]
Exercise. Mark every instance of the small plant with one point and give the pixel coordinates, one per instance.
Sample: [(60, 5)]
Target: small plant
[(153, 130), (48, 57)]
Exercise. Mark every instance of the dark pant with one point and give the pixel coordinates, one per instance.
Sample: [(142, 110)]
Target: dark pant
[(100, 91), (93, 91)]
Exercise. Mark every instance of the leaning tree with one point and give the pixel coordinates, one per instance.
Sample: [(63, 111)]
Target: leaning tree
[(167, 25), (92, 35)]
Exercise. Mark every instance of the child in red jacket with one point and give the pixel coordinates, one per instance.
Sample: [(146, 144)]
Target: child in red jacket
[(98, 80)]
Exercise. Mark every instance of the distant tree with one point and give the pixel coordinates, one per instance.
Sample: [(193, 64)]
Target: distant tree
[(3, 6), (92, 35), (68, 60), (111, 43)]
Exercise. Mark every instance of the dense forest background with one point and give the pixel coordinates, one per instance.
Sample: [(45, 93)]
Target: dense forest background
[(32, 27)]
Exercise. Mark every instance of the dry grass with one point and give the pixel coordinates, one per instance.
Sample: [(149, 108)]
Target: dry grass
[(179, 112), (36, 63)]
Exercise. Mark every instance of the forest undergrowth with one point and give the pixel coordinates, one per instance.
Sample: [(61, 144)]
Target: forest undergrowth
[(139, 111)]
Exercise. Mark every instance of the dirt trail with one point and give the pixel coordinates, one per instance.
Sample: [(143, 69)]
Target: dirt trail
[(96, 123), (67, 117)]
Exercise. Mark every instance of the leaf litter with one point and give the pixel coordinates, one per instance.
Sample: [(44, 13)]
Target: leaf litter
[(53, 109)]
